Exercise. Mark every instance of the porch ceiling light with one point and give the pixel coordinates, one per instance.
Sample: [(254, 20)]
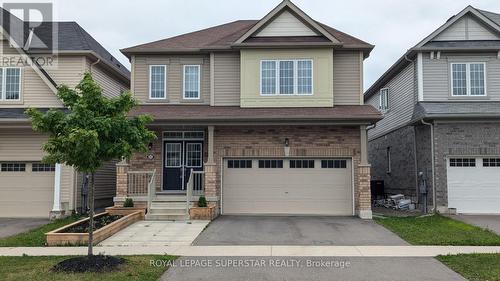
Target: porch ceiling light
[(150, 146), (287, 142)]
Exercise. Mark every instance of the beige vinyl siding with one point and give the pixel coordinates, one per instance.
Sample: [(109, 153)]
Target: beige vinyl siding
[(347, 84), (68, 70), (21, 145), (227, 78), (436, 74), (322, 78), (466, 28), (105, 186), (175, 70), (286, 24), (401, 102), (111, 85)]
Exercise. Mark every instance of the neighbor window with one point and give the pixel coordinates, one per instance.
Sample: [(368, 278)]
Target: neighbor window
[(462, 162), (10, 84), (468, 79), (191, 81), (13, 167), (384, 99), (286, 77), (157, 81)]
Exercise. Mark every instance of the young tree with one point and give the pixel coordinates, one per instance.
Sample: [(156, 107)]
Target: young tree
[(94, 129)]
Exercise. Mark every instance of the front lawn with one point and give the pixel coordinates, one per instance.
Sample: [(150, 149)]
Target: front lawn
[(439, 230), (39, 269), (36, 237), (475, 267)]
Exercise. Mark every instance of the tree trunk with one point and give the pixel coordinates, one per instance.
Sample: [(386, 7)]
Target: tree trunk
[(91, 214)]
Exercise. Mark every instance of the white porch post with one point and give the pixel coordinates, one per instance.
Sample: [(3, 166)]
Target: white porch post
[(57, 190)]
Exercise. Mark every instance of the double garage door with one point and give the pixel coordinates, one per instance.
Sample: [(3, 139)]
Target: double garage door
[(287, 186), (474, 185)]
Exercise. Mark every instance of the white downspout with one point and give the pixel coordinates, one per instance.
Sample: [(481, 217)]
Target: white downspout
[(434, 204), (57, 189)]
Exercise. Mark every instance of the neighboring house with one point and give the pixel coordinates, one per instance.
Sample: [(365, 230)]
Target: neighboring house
[(441, 106), (260, 116), (29, 188)]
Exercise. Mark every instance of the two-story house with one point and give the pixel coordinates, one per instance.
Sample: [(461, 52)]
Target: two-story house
[(260, 116), (35, 59), (441, 106)]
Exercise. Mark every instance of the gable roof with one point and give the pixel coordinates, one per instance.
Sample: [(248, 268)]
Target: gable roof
[(490, 19), (226, 37), (71, 38)]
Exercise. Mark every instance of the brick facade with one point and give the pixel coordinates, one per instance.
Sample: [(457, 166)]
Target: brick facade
[(268, 141)]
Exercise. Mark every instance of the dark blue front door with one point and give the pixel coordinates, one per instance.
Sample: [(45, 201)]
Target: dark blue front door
[(180, 157)]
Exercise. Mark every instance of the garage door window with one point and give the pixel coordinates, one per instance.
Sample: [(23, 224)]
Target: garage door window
[(298, 164), (462, 162), (491, 162), (270, 164), (41, 167), (333, 164), (13, 167), (239, 164)]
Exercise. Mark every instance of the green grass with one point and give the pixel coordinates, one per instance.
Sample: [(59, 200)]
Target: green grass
[(39, 269), (439, 230), (475, 267), (35, 237)]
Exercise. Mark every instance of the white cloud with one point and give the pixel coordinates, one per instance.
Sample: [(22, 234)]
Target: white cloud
[(392, 25)]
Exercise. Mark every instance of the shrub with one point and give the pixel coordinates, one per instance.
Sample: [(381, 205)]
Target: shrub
[(202, 201), (128, 202)]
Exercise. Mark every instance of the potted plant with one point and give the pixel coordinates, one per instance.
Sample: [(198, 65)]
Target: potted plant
[(202, 211)]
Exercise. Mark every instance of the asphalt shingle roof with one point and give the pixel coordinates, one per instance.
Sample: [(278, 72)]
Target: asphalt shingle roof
[(456, 109)]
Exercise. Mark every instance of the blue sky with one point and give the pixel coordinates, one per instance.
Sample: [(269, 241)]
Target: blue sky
[(392, 25)]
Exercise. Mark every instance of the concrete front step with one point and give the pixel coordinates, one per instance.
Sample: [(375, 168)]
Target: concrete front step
[(165, 217), (169, 198), (168, 205), (160, 211)]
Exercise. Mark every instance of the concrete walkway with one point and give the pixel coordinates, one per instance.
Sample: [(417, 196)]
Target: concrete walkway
[(253, 251), (157, 233)]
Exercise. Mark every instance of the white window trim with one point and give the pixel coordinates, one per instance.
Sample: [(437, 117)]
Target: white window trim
[(3, 90), (380, 105), (151, 82), (467, 79), (184, 81), (295, 77)]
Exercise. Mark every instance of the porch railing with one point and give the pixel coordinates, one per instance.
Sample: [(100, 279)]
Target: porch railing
[(195, 187), (151, 189), (138, 182)]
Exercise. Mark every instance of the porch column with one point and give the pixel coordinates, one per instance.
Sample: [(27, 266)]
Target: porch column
[(210, 159), (122, 168), (363, 198), (56, 207)]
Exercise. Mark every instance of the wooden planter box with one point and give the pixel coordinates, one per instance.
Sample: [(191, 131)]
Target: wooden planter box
[(57, 238), (123, 211), (202, 213)]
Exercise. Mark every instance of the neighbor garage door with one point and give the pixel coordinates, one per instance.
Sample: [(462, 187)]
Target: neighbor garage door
[(287, 186), (474, 185), (26, 189)]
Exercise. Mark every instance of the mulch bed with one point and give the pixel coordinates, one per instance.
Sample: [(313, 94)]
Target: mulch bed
[(99, 222), (98, 263)]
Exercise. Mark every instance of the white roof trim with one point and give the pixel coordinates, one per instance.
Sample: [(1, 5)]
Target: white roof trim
[(468, 9), (286, 4)]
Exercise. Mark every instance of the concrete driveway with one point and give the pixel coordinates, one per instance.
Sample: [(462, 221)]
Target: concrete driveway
[(298, 230), (13, 226), (286, 268), (491, 222)]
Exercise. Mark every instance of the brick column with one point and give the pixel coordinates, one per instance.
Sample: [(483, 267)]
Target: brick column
[(210, 180), (121, 179), (363, 200)]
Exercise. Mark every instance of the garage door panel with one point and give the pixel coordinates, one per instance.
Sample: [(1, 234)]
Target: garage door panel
[(317, 190), (474, 189), (26, 194)]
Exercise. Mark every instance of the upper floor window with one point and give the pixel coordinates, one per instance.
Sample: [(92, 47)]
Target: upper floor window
[(157, 81), (384, 99), (468, 79), (10, 83), (191, 81), (286, 77)]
